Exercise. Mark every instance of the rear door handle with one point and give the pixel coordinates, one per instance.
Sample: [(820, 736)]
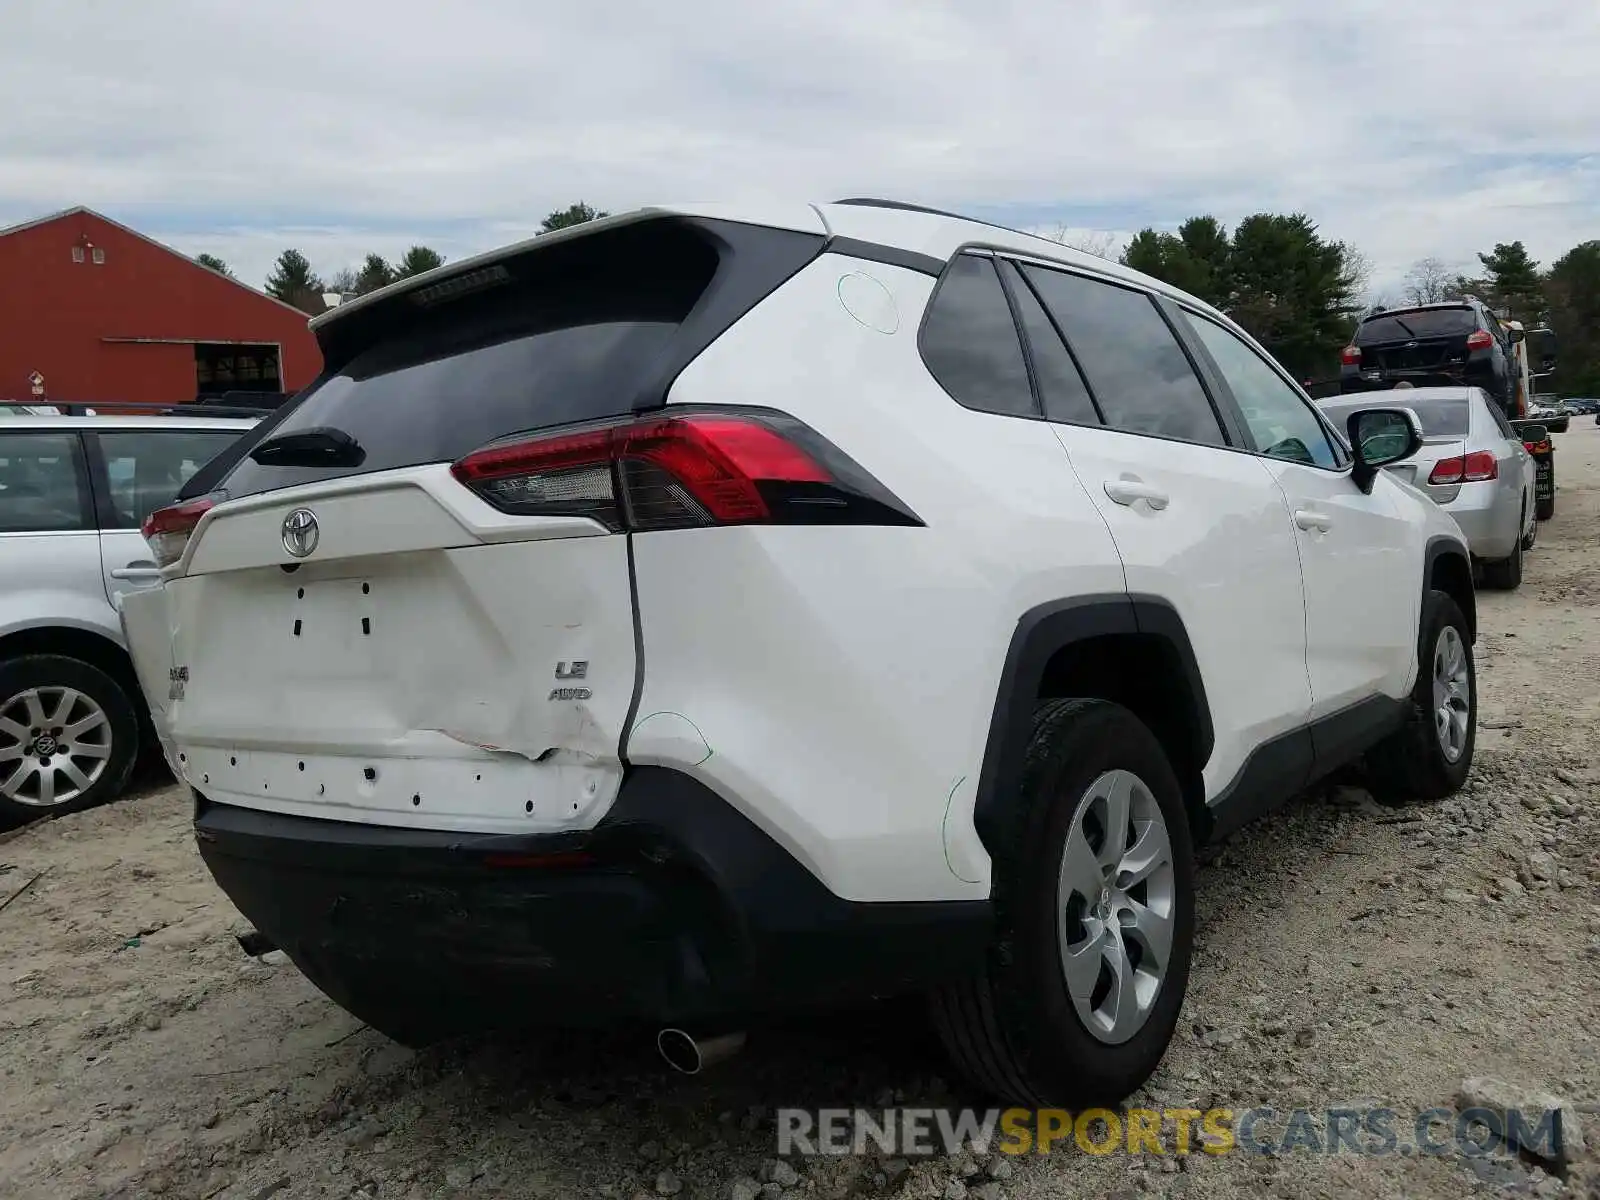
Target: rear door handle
[(1130, 491), (1308, 518)]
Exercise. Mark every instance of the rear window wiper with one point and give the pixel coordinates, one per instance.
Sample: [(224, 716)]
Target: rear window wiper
[(1410, 332), (320, 446)]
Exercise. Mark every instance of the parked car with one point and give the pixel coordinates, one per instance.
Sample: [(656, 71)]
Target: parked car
[(1474, 465), (73, 491), (1459, 343), (1554, 416), (695, 613)]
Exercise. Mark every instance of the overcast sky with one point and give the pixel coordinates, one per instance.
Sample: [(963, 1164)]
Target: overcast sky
[(1405, 127)]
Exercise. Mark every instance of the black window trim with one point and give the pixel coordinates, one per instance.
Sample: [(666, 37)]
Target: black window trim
[(87, 498), (1248, 443)]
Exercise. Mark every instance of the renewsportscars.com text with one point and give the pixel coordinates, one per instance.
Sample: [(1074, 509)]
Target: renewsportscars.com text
[(1373, 1131)]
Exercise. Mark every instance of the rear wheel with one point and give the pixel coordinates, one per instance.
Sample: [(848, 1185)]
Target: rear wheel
[(1094, 897), (1505, 574), (68, 736), (1428, 758)]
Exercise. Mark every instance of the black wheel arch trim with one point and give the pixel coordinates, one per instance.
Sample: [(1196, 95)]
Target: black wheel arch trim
[(1443, 546), (1040, 633)]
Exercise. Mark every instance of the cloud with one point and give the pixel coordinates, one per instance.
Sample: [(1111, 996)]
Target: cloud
[(1408, 128)]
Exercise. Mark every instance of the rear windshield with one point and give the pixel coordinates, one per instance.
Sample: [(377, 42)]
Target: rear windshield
[(1419, 323), (1439, 417), (571, 333)]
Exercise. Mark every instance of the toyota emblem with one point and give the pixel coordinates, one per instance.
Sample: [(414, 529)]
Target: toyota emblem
[(300, 532)]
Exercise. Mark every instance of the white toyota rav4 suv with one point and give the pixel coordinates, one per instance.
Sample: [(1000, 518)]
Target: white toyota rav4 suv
[(696, 613)]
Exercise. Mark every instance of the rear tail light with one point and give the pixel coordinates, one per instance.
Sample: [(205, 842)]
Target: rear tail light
[(167, 529), (1350, 356), (1480, 339), (1472, 468), (1537, 447), (701, 468)]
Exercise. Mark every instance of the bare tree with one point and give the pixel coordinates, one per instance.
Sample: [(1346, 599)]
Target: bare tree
[(345, 282), (1093, 241), (1430, 281), (1358, 272)]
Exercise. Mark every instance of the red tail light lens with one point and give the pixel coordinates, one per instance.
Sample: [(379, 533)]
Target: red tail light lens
[(1447, 470), (1480, 339), (701, 468), (1537, 447), (1350, 356), (167, 529), (1473, 468)]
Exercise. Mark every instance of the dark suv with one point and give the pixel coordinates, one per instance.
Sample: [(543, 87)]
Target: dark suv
[(1432, 345)]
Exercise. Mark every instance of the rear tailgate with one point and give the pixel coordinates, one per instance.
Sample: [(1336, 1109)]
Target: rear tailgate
[(411, 669), (1416, 344), (367, 638)]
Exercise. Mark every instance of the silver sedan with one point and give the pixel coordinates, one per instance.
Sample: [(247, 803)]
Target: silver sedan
[(1472, 464)]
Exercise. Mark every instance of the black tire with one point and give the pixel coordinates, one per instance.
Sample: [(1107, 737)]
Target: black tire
[(1505, 574), (1532, 538), (1544, 509), (1012, 1029), (19, 676), (1411, 764)]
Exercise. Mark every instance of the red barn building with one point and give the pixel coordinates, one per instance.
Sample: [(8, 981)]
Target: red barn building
[(100, 313)]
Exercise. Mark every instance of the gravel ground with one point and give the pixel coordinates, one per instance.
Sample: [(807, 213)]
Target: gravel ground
[(1348, 954)]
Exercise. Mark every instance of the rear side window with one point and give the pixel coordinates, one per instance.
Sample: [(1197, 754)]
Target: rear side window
[(1419, 323), (43, 487), (1141, 377), (582, 330), (1498, 417), (969, 341)]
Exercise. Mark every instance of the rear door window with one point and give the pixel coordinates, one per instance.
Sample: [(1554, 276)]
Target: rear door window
[(1416, 325), (1061, 387), (969, 341), (43, 485), (146, 468), (1140, 376)]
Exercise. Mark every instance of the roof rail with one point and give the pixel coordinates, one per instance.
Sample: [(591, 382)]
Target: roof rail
[(906, 206), (141, 408)]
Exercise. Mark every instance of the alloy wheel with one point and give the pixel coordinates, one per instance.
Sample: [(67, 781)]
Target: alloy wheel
[(55, 743)]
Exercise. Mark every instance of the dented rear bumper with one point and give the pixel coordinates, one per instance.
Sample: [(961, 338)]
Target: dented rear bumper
[(674, 908)]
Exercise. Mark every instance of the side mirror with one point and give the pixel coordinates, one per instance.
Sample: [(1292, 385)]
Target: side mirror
[(1378, 437), (1517, 335), (1533, 434)]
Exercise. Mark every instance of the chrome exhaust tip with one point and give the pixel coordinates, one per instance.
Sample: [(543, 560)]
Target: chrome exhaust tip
[(689, 1056)]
